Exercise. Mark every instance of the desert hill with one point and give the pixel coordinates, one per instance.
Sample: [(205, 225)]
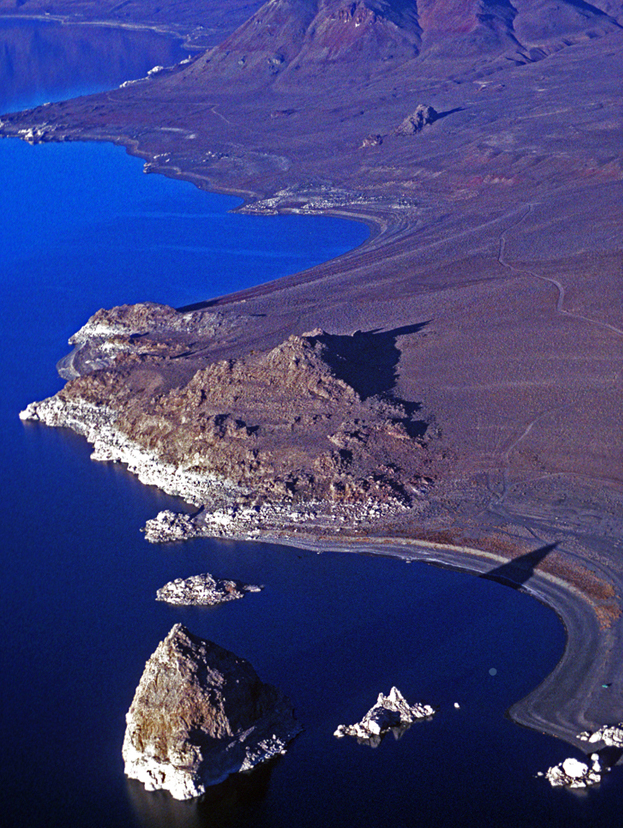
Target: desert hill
[(292, 39)]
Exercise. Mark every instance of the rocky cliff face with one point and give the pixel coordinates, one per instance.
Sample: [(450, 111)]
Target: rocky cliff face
[(310, 423), (199, 714)]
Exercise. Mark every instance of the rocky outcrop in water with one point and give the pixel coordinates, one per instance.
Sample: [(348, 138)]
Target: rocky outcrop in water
[(575, 774), (203, 590), (390, 713), (199, 714), (305, 433)]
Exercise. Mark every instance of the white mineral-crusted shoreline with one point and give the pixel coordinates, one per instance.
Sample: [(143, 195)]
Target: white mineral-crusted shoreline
[(230, 512), (610, 735), (97, 425), (247, 522)]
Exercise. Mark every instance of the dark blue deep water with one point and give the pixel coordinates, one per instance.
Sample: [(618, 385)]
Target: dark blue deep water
[(82, 228)]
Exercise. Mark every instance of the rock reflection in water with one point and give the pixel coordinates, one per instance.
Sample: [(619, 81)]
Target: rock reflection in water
[(234, 802)]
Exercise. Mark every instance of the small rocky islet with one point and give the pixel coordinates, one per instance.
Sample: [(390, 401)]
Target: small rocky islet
[(203, 590), (390, 714), (201, 713)]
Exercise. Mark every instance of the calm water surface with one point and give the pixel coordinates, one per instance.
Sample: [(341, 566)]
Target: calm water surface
[(83, 228)]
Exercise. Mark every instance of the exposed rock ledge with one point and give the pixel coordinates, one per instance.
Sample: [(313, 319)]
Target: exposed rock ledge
[(203, 590), (390, 713), (610, 735), (199, 714), (308, 433)]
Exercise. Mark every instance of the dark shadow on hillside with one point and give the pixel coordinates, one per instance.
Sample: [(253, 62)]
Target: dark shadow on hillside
[(447, 112), (515, 573), (368, 361)]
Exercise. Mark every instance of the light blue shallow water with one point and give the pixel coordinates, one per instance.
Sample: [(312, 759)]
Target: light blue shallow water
[(83, 228)]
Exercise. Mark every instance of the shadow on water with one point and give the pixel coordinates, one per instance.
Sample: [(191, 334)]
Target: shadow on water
[(230, 803), (610, 756), (515, 573)]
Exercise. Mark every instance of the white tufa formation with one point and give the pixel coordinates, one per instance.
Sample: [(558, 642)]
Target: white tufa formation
[(391, 712), (610, 735), (203, 590), (574, 774)]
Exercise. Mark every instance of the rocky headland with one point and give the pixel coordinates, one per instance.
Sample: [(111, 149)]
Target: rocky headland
[(203, 590), (199, 714), (308, 432)]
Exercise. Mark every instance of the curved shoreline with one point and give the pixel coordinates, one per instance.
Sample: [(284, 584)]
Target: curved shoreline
[(558, 705), (182, 34), (568, 700)]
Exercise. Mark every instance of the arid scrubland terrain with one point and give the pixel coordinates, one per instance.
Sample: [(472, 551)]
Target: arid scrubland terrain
[(452, 385)]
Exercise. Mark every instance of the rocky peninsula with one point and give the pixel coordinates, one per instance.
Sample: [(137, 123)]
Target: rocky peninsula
[(199, 714), (451, 390), (303, 433)]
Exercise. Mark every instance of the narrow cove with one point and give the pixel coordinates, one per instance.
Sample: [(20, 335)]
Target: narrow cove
[(84, 229)]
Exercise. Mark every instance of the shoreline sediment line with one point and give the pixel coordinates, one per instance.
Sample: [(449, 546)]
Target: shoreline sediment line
[(564, 703)]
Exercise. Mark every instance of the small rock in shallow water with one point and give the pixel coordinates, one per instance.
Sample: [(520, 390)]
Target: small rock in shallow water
[(571, 773), (391, 712), (204, 590)]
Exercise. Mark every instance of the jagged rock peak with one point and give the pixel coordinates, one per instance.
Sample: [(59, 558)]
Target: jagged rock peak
[(200, 713)]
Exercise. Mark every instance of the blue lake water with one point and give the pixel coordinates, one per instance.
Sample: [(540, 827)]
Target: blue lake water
[(83, 228)]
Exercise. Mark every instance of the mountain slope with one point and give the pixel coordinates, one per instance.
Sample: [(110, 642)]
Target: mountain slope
[(293, 40)]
